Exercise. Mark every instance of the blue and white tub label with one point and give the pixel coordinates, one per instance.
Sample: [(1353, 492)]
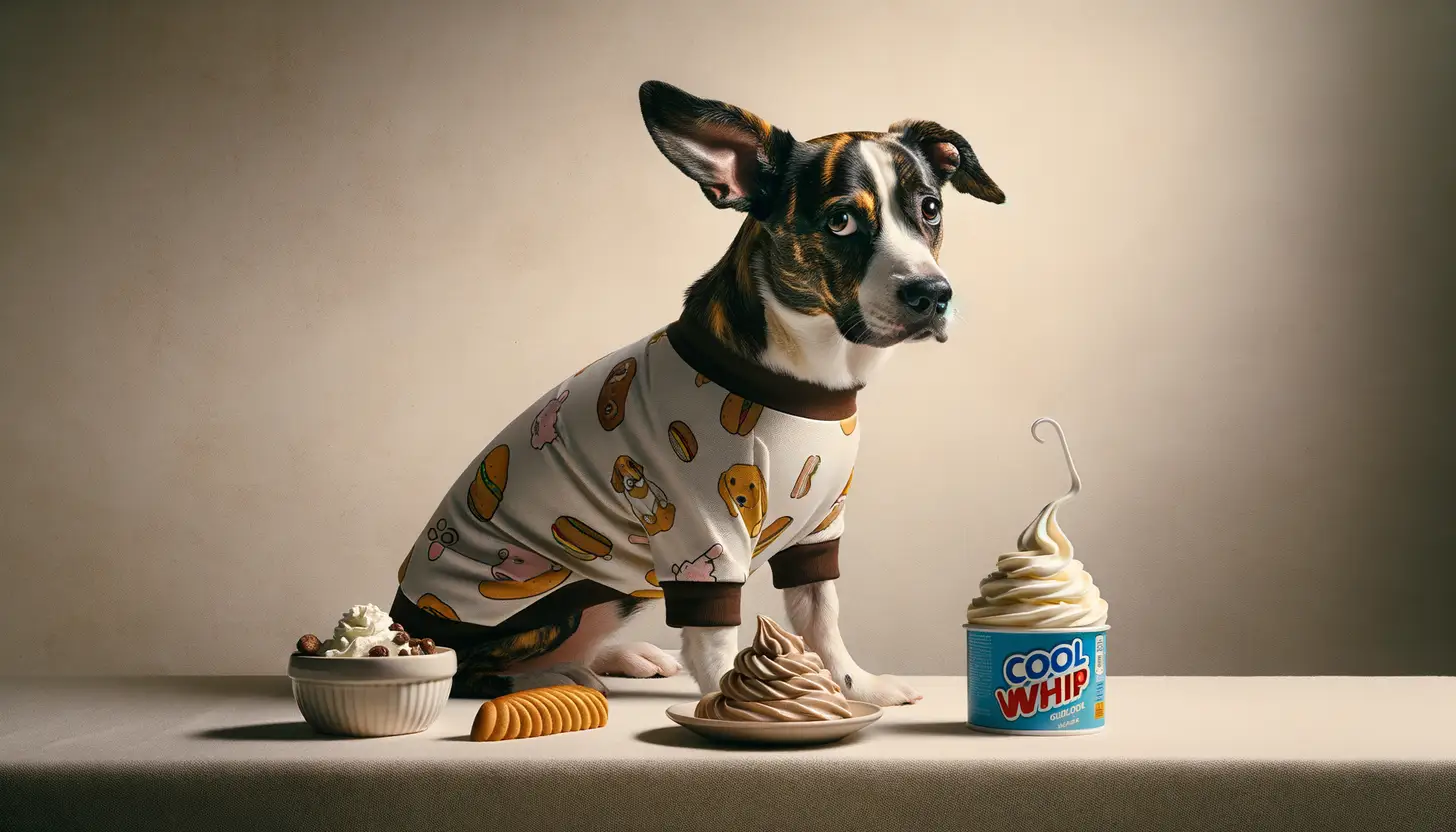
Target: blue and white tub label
[(1036, 681)]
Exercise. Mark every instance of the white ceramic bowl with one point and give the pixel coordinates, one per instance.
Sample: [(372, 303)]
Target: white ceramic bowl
[(372, 697)]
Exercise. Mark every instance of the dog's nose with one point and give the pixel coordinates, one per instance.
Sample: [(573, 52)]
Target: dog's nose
[(742, 501), (926, 295)]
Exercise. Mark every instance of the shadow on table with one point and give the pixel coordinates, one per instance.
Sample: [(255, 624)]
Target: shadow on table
[(650, 694), (942, 729), (268, 731), (679, 737)]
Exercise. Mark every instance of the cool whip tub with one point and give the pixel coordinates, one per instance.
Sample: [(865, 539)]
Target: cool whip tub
[(1036, 638)]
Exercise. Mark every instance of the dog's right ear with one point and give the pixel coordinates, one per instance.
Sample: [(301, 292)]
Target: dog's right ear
[(617, 484), (736, 157), (951, 156)]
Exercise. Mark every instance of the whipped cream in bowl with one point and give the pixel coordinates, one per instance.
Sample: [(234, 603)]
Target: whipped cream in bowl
[(361, 628)]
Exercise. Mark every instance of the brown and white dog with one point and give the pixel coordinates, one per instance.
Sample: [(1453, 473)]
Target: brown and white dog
[(836, 263)]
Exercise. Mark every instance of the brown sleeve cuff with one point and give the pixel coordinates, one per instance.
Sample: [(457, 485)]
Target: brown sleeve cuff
[(806, 563), (694, 604)]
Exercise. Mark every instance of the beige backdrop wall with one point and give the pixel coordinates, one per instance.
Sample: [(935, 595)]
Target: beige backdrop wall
[(273, 273)]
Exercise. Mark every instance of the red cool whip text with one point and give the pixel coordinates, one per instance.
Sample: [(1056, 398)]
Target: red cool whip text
[(1042, 680)]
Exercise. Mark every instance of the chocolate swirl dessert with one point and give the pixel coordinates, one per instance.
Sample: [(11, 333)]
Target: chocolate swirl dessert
[(776, 679)]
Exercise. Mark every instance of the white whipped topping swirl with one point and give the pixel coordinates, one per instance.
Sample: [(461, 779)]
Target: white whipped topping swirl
[(776, 679), (1041, 585), (361, 628)]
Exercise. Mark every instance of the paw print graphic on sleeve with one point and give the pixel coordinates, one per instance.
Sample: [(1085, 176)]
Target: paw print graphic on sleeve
[(441, 538)]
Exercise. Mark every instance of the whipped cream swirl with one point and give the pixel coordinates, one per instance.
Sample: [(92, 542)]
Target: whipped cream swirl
[(1041, 585), (776, 679), (361, 628)]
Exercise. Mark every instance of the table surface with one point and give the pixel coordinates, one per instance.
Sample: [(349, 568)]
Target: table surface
[(1170, 742)]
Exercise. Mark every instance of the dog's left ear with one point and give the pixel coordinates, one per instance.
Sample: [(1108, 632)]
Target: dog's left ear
[(617, 484), (950, 156), (736, 157)]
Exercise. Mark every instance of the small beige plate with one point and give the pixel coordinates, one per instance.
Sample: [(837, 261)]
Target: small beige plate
[(776, 733)]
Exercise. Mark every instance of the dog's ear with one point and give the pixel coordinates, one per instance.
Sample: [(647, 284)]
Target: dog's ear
[(727, 497), (617, 484), (762, 498), (737, 158), (950, 156)]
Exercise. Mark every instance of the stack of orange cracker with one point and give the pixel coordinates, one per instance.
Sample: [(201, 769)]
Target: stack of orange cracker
[(540, 712)]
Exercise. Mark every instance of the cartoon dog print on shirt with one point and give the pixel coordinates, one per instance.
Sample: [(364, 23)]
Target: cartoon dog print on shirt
[(520, 573), (699, 568), (543, 429), (646, 498), (743, 492)]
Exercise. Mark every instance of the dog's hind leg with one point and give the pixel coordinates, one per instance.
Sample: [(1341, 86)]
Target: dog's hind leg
[(636, 659), (554, 654)]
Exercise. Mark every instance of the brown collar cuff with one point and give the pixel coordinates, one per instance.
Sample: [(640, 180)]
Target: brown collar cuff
[(755, 382)]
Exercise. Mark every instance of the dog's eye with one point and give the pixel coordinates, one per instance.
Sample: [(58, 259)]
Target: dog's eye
[(750, 486), (519, 560), (841, 223), (930, 208), (732, 482)]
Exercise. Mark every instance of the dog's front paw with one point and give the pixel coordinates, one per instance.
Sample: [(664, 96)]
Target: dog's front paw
[(637, 660), (878, 690)]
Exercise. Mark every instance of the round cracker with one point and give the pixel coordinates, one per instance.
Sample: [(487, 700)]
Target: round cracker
[(582, 716), (502, 721), (533, 722), (485, 720), (556, 721), (513, 720), (595, 712), (577, 716), (598, 699)]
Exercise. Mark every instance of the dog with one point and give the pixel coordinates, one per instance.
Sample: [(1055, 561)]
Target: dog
[(835, 265)]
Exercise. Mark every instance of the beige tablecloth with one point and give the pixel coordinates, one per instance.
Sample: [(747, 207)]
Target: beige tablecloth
[(1244, 754)]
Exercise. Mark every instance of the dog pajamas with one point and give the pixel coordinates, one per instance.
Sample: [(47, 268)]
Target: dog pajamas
[(670, 468)]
